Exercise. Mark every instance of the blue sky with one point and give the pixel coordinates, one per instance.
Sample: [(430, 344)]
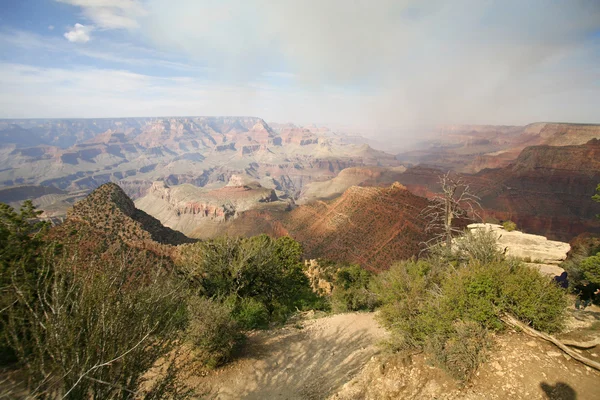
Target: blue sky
[(388, 63)]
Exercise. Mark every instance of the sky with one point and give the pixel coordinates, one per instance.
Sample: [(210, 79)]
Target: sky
[(363, 63)]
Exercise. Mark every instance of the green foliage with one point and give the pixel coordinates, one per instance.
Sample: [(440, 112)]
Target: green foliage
[(448, 309), (509, 226), (351, 290), (249, 313), (212, 330), (266, 270), (461, 350), (20, 242), (590, 269), (93, 330)]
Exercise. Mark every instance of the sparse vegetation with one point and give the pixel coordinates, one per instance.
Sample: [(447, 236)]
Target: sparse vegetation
[(94, 329), (509, 226), (448, 307), (351, 290), (212, 330)]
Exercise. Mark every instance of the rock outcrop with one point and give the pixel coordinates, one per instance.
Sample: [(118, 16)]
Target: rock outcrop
[(109, 209), (535, 250), (188, 208)]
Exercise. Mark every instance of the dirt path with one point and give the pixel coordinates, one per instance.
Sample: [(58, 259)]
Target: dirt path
[(307, 360), (337, 357)]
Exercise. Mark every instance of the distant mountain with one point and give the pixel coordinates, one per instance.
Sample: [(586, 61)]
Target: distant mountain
[(76, 155), (547, 190), (472, 148), (191, 209)]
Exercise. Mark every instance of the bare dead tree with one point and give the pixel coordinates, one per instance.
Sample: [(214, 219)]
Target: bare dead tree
[(454, 201)]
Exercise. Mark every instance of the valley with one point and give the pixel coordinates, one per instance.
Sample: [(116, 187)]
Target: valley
[(200, 174)]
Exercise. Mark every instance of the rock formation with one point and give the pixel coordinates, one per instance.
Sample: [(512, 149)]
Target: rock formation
[(369, 226), (80, 155), (535, 250), (546, 191), (110, 210), (188, 208)]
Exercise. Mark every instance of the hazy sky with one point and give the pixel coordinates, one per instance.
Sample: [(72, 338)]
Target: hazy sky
[(353, 62)]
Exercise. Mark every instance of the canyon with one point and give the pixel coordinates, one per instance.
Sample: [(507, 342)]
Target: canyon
[(206, 176), (80, 155)]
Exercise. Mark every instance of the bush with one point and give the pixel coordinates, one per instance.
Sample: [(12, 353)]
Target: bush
[(212, 330), (249, 313), (351, 290), (404, 291), (448, 310), (509, 226), (95, 323), (478, 244), (462, 350), (590, 269), (261, 268)]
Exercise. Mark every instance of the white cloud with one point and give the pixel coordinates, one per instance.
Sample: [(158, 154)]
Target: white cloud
[(81, 92), (78, 34), (392, 62), (50, 27), (424, 62), (110, 14)]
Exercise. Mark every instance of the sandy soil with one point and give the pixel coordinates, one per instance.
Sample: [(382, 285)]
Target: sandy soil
[(337, 357), (308, 359)]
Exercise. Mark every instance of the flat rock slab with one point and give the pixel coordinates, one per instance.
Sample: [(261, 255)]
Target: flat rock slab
[(534, 248)]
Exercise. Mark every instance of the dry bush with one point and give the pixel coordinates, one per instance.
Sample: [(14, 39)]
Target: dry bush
[(212, 330), (93, 331)]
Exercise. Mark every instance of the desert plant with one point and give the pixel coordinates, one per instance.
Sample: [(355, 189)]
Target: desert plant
[(448, 308), (212, 331), (261, 268), (461, 350), (477, 244), (85, 330), (509, 226), (351, 290), (590, 269), (249, 313), (20, 244)]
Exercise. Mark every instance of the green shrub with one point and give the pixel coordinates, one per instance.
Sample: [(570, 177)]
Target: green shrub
[(509, 226), (250, 313), (351, 290), (212, 330), (448, 311), (590, 268), (95, 322), (462, 350), (479, 245), (267, 270), (404, 292), (533, 298)]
